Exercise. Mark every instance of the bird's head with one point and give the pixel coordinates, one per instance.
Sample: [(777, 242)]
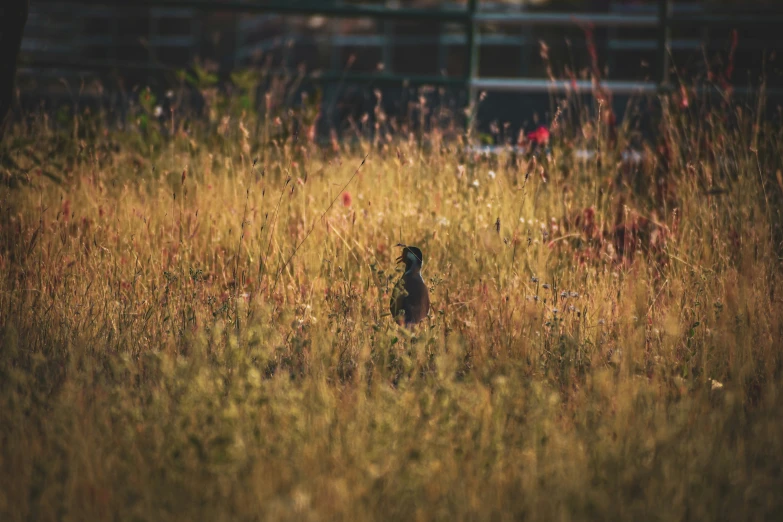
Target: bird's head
[(411, 256)]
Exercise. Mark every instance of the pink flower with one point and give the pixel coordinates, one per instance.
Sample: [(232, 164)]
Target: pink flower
[(65, 210), (684, 102), (540, 136), (346, 199)]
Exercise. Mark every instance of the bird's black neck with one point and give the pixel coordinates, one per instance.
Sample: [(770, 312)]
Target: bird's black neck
[(412, 269)]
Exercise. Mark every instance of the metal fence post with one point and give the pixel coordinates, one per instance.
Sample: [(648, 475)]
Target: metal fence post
[(664, 40)]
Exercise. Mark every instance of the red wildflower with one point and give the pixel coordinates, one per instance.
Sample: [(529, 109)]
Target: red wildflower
[(540, 136), (732, 51), (65, 210), (725, 80), (591, 49), (684, 103), (346, 199)]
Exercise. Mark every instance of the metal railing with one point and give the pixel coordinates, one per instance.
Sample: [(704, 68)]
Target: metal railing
[(471, 18), (662, 19)]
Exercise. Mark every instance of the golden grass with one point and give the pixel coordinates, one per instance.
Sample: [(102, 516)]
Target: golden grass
[(163, 360)]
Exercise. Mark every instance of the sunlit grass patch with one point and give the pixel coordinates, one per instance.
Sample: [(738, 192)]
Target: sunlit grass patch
[(195, 325)]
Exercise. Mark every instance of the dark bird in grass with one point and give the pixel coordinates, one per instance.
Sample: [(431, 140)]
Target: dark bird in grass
[(410, 299)]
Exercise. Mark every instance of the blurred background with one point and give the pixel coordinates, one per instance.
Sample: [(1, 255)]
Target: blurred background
[(518, 53)]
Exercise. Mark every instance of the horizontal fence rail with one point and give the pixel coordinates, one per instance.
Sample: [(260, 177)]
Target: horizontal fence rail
[(563, 19), (542, 85), (294, 8), (462, 15)]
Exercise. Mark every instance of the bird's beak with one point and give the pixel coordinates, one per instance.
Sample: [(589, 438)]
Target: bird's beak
[(400, 259)]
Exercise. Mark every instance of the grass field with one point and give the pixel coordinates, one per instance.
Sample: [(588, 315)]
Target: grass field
[(195, 324)]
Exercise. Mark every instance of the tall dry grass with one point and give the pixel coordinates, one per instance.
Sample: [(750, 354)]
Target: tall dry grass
[(195, 322)]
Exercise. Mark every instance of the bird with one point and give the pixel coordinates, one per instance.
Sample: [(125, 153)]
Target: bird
[(410, 298)]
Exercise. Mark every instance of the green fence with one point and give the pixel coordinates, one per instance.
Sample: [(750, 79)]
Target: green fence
[(662, 17)]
